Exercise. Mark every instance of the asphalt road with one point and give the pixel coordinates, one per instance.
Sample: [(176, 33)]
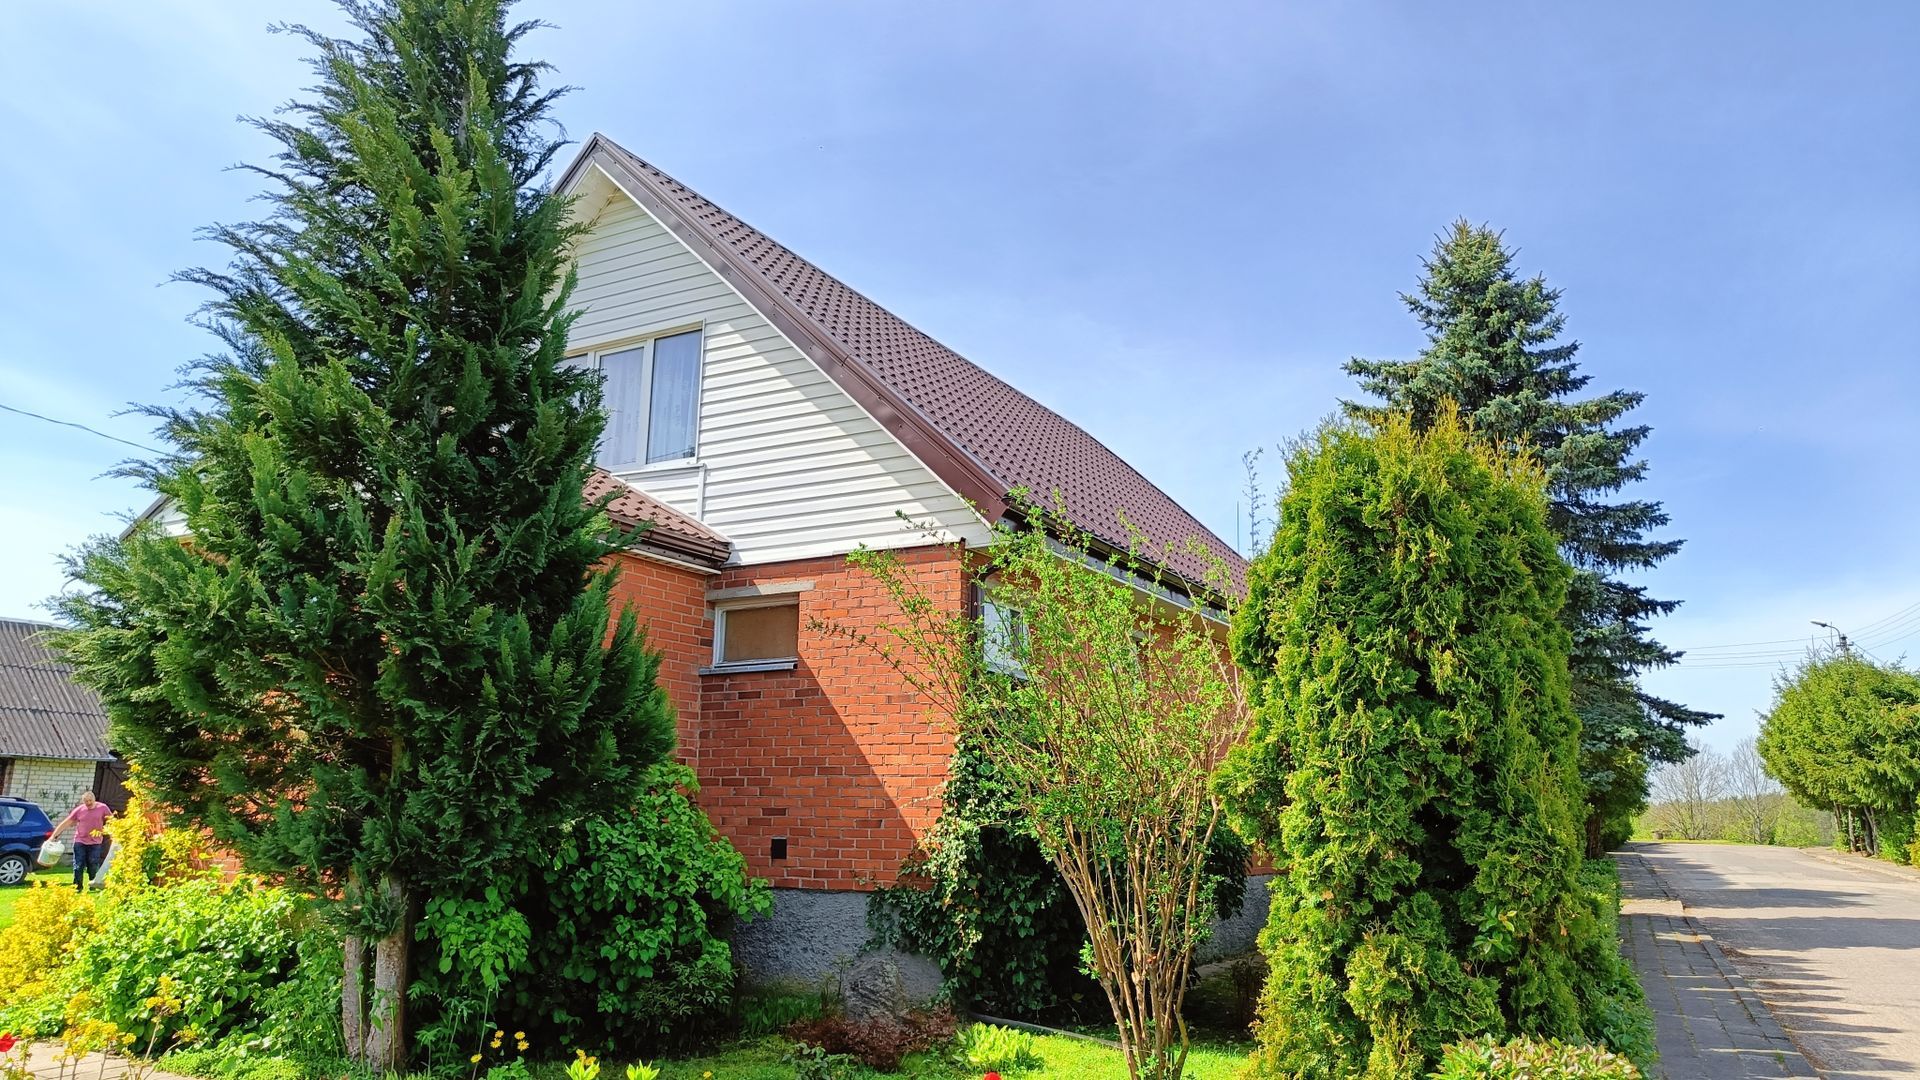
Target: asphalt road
[(1831, 943)]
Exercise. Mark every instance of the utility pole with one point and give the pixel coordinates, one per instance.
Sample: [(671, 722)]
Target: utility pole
[(1846, 647)]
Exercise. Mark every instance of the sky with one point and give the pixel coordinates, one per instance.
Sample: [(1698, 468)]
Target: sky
[(1170, 223)]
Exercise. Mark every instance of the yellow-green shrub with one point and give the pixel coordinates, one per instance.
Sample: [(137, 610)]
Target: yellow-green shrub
[(1531, 1059), (46, 923)]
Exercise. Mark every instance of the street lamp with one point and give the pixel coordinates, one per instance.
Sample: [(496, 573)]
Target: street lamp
[(1845, 645)]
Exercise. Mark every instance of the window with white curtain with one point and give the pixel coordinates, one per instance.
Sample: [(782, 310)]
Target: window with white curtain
[(652, 400)]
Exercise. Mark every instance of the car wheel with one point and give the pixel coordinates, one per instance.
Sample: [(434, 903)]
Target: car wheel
[(13, 869)]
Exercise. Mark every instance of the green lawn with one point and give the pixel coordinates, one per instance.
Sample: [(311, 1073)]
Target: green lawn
[(11, 896), (1063, 1059)]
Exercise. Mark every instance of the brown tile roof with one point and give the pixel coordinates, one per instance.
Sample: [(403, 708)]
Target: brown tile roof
[(982, 436), (673, 533), (43, 712)]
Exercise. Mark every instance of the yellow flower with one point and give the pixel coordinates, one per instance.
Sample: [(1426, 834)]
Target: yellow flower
[(499, 1034), (523, 1046), (520, 1035), (475, 1059)]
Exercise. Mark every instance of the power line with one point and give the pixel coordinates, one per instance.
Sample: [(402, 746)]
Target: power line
[(83, 427), (1902, 624)]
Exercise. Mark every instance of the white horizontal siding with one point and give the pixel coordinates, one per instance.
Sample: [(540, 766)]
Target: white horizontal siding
[(789, 466)]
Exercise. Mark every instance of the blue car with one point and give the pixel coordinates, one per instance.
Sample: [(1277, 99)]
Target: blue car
[(23, 828)]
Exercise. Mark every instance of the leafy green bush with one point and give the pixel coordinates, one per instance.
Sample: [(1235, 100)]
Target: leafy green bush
[(232, 1063), (990, 1048), (1415, 762), (225, 945), (627, 925), (299, 1017), (1529, 1059), (982, 901)]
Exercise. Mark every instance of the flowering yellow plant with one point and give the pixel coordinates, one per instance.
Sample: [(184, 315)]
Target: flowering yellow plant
[(584, 1066)]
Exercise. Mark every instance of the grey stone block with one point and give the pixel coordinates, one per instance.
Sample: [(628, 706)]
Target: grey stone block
[(888, 983), (1240, 933)]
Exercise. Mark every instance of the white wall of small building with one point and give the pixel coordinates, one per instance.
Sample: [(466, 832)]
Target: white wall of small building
[(53, 783), (789, 465)]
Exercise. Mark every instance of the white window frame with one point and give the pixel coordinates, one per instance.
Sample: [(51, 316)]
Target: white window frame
[(589, 358), (1003, 664), (770, 663)]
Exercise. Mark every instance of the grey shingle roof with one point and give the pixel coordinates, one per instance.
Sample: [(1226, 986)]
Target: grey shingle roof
[(43, 712)]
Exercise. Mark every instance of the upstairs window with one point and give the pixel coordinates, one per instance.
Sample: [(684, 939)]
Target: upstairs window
[(651, 395)]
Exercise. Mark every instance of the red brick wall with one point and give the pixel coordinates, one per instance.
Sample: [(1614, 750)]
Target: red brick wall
[(671, 603), (840, 755)]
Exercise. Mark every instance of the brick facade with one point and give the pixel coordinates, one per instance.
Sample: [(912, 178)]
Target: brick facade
[(839, 756), (53, 783), (671, 604)]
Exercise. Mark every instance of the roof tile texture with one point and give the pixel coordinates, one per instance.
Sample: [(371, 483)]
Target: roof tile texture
[(1025, 445), (43, 712), (631, 508)]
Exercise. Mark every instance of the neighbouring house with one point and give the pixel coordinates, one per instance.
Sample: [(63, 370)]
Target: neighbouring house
[(53, 731), (768, 420)]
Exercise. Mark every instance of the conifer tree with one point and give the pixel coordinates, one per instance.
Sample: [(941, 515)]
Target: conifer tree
[(1494, 351), (1414, 763), (1844, 735), (379, 662)]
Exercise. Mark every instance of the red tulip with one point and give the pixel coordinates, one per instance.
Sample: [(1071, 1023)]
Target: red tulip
[(991, 1076), (7, 1042)]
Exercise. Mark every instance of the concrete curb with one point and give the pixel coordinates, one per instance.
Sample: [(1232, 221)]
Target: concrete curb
[(1877, 867)]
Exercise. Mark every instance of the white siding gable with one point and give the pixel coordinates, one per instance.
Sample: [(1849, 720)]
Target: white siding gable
[(789, 466)]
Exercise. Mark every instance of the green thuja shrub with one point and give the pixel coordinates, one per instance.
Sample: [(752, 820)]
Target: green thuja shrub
[(1529, 1059), (1415, 762)]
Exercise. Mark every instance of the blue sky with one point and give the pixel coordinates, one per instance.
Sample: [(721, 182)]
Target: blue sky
[(1170, 224)]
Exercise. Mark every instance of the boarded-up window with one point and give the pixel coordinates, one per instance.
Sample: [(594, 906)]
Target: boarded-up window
[(759, 633)]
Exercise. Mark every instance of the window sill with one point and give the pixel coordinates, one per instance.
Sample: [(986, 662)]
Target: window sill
[(742, 667), (640, 468)]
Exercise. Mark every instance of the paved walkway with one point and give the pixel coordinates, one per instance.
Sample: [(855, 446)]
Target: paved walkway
[(91, 1067), (1830, 942), (1709, 1024)]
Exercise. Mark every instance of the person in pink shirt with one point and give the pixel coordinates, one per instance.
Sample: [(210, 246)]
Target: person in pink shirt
[(89, 821)]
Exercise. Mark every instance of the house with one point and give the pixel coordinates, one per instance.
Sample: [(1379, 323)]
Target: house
[(767, 419), (53, 731)]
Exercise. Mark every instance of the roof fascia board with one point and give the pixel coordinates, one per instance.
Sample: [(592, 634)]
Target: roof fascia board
[(955, 467)]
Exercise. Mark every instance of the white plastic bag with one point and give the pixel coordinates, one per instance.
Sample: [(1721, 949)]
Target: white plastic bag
[(51, 853)]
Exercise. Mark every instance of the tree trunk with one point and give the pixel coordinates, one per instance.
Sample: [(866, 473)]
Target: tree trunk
[(353, 998), (387, 1018), (1594, 848)]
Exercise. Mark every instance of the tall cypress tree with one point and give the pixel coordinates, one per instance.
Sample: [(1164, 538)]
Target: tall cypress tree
[(380, 663), (1495, 351)]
